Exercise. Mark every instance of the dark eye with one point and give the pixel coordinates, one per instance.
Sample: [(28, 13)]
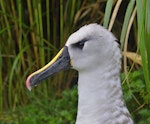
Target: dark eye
[(80, 44)]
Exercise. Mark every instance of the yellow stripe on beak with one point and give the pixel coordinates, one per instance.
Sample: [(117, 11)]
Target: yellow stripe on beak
[(49, 64), (60, 62)]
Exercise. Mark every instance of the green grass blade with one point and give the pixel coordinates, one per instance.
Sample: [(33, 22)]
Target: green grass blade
[(108, 11), (147, 31), (5, 18), (40, 24), (73, 7), (48, 19), (126, 22), (48, 23), (12, 73), (142, 34), (61, 23), (1, 83)]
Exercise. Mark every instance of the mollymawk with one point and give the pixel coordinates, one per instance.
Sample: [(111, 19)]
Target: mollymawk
[(94, 53)]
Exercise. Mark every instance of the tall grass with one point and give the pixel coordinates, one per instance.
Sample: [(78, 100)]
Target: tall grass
[(30, 36), (32, 32), (143, 19)]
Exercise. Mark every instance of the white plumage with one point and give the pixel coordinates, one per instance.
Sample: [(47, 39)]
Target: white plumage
[(99, 88)]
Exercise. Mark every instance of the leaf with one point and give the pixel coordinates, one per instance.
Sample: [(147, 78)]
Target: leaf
[(134, 57)]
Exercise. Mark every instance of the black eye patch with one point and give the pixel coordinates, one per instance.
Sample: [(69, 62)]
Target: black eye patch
[(80, 44)]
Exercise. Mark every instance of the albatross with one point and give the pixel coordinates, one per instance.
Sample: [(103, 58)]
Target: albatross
[(95, 54)]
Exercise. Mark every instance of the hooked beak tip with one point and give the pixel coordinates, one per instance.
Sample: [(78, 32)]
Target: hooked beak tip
[(28, 83)]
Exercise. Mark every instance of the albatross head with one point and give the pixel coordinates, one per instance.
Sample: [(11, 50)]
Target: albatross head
[(94, 53), (92, 46)]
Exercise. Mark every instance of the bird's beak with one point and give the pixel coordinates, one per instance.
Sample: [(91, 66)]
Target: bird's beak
[(60, 62)]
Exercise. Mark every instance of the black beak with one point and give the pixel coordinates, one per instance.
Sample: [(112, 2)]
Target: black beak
[(60, 62)]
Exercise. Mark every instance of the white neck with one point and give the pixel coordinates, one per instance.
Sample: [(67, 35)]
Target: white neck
[(100, 98)]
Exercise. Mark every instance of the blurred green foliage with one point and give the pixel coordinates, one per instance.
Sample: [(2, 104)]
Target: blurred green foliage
[(50, 111)]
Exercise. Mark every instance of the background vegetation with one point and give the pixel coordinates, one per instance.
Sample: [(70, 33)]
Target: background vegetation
[(32, 32)]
